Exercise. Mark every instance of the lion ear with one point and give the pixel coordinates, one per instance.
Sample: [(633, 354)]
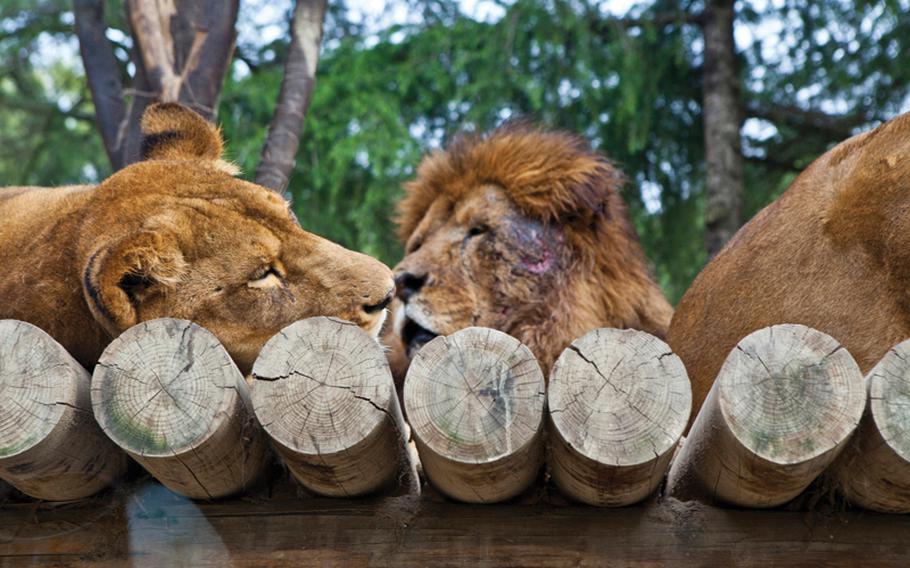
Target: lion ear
[(118, 278), (171, 131)]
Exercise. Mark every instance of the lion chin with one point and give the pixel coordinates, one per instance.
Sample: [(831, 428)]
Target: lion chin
[(375, 328), (412, 332), (521, 230)]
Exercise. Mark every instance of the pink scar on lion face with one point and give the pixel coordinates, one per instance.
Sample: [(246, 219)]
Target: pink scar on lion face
[(537, 257), (539, 265)]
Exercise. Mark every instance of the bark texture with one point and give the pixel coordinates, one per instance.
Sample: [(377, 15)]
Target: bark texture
[(182, 52), (103, 73), (722, 120), (294, 97)]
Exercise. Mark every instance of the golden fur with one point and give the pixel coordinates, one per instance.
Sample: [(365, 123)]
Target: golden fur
[(174, 235), (833, 253), (521, 230)]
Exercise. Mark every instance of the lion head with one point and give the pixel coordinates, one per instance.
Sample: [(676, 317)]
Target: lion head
[(176, 235), (523, 231)]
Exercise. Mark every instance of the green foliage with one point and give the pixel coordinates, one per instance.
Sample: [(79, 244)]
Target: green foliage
[(812, 73), (45, 108)]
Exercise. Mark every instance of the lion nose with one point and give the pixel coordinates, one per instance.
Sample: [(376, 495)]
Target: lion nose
[(408, 284), (382, 304)]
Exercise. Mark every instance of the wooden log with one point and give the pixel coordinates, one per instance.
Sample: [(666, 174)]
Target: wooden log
[(874, 470), (783, 406), (168, 393), (619, 400), (475, 403), (50, 446), (323, 392)]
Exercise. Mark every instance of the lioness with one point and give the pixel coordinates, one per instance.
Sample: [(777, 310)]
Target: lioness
[(833, 253), (521, 230), (175, 235)]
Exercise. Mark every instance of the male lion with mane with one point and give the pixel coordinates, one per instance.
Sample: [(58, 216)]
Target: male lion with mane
[(524, 231), (175, 235)]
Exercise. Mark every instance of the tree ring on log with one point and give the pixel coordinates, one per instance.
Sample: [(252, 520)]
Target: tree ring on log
[(790, 393), (165, 388), (323, 392), (37, 381), (475, 403), (619, 401)]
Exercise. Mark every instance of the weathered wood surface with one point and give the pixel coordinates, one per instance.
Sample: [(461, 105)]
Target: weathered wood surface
[(168, 393), (874, 469), (323, 392), (618, 403), (50, 446), (147, 526), (475, 403), (784, 405)]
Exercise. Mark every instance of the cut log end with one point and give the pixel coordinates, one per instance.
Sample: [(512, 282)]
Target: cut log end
[(783, 406), (874, 470), (50, 446), (619, 401), (167, 392), (323, 392), (790, 393), (475, 402)]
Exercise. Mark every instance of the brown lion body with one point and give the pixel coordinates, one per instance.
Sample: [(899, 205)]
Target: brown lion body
[(832, 253), (175, 235), (523, 231)]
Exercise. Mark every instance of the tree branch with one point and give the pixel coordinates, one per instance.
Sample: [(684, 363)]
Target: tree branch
[(208, 48), (663, 19), (151, 32), (838, 127), (103, 72), (42, 107), (281, 144), (659, 21), (772, 162), (185, 48), (43, 139)]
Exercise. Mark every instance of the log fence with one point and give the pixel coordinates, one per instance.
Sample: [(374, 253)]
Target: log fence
[(606, 428), (475, 402), (619, 401)]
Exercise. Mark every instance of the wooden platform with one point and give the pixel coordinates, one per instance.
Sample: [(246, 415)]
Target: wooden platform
[(144, 524)]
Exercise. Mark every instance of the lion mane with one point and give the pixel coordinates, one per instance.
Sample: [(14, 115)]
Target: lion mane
[(552, 178)]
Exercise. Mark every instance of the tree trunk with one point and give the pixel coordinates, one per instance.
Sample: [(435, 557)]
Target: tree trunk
[(280, 147), (182, 53), (722, 120), (103, 73), (185, 47)]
